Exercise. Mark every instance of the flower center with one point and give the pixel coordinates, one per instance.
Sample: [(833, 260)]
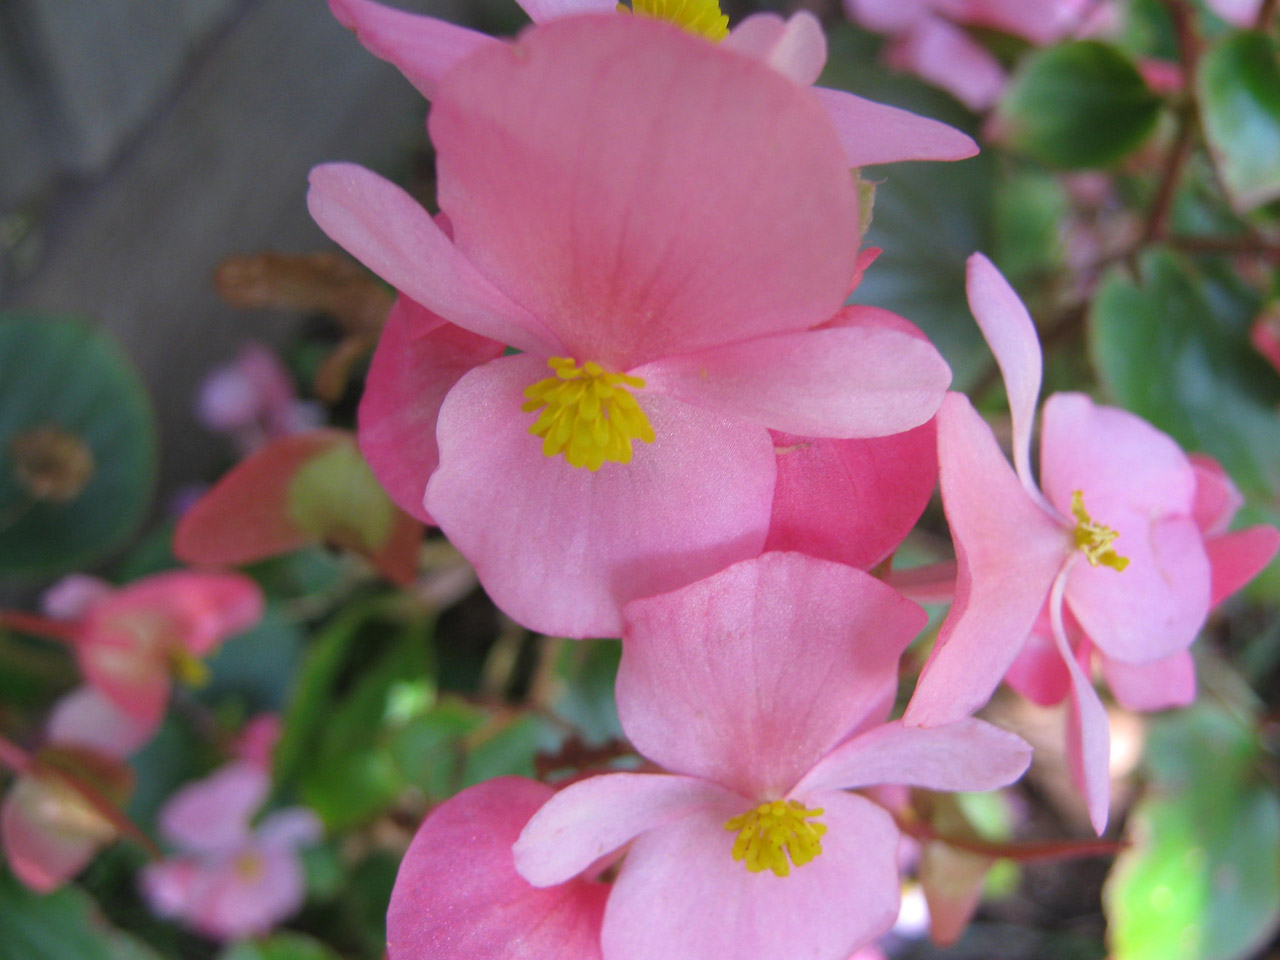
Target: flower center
[(1095, 539), (696, 16), (587, 414), (249, 866), (191, 670), (773, 832)]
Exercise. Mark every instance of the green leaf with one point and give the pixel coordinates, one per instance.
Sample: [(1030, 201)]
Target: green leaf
[(1238, 87), (1030, 209), (57, 926), (1173, 348), (585, 673), (1202, 879), (60, 377), (1076, 105), (281, 946), (256, 666)]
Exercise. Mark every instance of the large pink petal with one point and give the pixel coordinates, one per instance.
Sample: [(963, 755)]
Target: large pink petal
[(1042, 23), (795, 47), (458, 896), (540, 10), (1217, 498), (1011, 334), (560, 548), (888, 16), (389, 232), (419, 359), (200, 609), (874, 133), (87, 718), (422, 48), (749, 677), (966, 755), (212, 815), (1039, 673), (1008, 550), (1236, 558), (246, 893), (40, 855), (947, 57), (593, 818), (842, 382), (1158, 685), (681, 886), (606, 173)]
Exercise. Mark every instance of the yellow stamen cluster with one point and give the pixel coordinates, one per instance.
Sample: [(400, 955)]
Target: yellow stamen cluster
[(696, 16), (1095, 539), (587, 414), (773, 832), (191, 670)]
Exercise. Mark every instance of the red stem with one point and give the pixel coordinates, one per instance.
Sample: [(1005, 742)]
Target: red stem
[(47, 627), (1022, 852), (14, 757)]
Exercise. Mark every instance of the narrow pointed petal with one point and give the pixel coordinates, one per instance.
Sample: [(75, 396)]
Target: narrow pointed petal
[(458, 896), (969, 755), (944, 55), (389, 232), (841, 382), (41, 857), (593, 818), (1039, 673), (1008, 550), (418, 360), (1088, 729), (681, 885), (1236, 558), (422, 48), (873, 133), (795, 47), (212, 815), (1217, 498), (1158, 685), (562, 548), (749, 677)]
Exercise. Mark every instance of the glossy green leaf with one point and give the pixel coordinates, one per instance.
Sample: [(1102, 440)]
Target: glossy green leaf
[(1202, 878), (586, 672), (61, 374), (281, 946), (1238, 88), (1077, 105), (59, 926)]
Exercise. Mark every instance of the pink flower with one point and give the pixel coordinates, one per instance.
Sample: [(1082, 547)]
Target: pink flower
[(230, 880), (474, 906), (425, 49), (764, 690), (664, 228), (253, 399), (1116, 543)]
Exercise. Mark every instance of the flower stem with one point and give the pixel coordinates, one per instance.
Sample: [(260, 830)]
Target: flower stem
[(47, 627), (918, 829)]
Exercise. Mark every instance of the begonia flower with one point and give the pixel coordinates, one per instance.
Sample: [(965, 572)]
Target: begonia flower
[(664, 228), (253, 399), (1111, 541), (475, 906), (764, 690), (424, 49), (230, 880)]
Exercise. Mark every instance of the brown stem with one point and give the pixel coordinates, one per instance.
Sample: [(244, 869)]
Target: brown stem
[(1021, 852), (47, 627), (1266, 14), (1245, 246), (1158, 216)]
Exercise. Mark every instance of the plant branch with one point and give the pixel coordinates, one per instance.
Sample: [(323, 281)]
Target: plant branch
[(1266, 14), (918, 829), (63, 631)]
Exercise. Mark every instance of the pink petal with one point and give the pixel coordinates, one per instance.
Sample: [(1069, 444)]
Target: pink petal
[(593, 818), (888, 16), (1039, 673), (289, 828), (842, 382), (200, 609), (41, 856), (1236, 558), (72, 596), (1217, 498), (966, 755), (1042, 23), (418, 360), (167, 885), (749, 677), (212, 815), (389, 232), (474, 906), (1008, 550), (680, 885), (851, 501), (874, 133), (560, 548), (87, 718), (541, 10), (1011, 334), (947, 57), (1158, 685), (596, 173), (1240, 13), (795, 47)]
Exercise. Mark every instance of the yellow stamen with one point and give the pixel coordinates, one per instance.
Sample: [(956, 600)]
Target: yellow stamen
[(250, 866), (1095, 539), (192, 671), (696, 16), (772, 832), (589, 414)]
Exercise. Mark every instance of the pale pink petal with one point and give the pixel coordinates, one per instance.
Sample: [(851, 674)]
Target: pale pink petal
[(389, 232), (1217, 498), (212, 815), (419, 359), (127, 671), (1011, 335), (72, 596), (596, 172), (540, 10), (289, 828), (470, 904), (199, 609), (257, 741), (681, 885), (874, 133), (87, 718), (41, 856), (947, 57), (167, 885), (888, 16), (1039, 673), (1236, 558), (560, 548), (422, 48), (969, 755), (245, 894), (1240, 13), (1008, 550), (841, 382), (1043, 23), (795, 47), (594, 818), (749, 677), (1158, 685)]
